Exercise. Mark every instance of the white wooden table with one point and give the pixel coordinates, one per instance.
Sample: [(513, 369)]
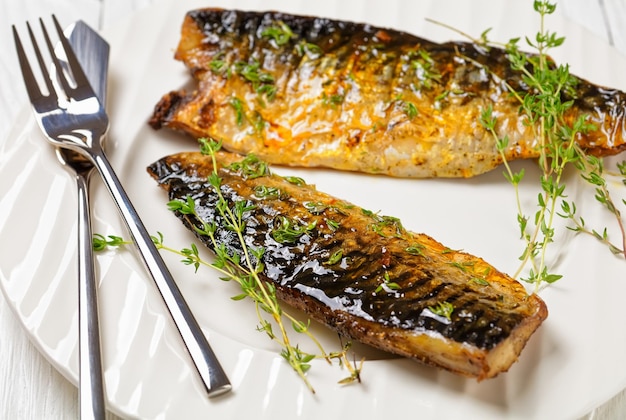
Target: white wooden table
[(29, 387)]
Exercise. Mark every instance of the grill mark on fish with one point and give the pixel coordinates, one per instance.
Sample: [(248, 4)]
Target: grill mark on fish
[(490, 318), (374, 71)]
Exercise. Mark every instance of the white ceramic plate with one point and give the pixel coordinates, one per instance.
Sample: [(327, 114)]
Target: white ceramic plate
[(572, 364)]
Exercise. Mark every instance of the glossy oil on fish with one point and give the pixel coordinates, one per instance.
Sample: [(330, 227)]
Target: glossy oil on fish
[(362, 274), (317, 92)]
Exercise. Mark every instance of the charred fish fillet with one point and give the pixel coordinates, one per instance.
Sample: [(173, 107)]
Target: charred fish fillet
[(363, 274), (317, 92)]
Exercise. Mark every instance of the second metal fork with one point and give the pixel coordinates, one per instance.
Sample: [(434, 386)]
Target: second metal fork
[(72, 117), (93, 53)]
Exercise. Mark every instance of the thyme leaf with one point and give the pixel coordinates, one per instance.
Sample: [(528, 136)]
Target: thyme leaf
[(280, 33), (289, 231), (100, 242), (443, 309)]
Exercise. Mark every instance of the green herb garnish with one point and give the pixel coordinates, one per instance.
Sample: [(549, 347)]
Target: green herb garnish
[(280, 33), (543, 105), (425, 70), (288, 231), (387, 285), (262, 191), (100, 243), (296, 180), (443, 309), (332, 224), (410, 110), (311, 50), (251, 167), (336, 257), (237, 105), (315, 207), (332, 100)]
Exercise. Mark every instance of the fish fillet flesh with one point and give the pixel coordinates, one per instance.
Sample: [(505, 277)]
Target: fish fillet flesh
[(316, 92), (360, 273)]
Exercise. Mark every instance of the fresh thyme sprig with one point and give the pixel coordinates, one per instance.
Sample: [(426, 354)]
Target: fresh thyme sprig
[(100, 242), (543, 105), (191, 255)]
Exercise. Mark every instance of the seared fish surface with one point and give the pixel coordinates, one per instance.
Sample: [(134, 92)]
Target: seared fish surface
[(306, 91), (360, 273)]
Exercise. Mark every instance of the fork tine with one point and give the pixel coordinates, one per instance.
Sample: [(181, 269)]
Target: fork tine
[(42, 63), (55, 60), (32, 86), (77, 70)]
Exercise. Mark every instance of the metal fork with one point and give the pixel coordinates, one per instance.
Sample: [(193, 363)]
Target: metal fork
[(94, 52), (72, 117)]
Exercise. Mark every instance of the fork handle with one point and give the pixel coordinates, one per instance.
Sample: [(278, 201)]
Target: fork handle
[(91, 389), (211, 372)]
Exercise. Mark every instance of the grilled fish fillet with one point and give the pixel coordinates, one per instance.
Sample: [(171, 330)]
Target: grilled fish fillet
[(363, 274), (311, 92)]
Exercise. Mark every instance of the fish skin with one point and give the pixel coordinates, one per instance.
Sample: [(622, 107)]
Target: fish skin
[(492, 318), (356, 97)]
